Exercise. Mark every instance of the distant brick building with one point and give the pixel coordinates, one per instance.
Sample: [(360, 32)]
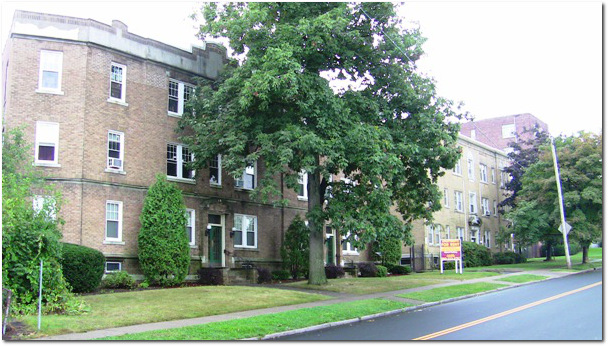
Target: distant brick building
[(499, 132)]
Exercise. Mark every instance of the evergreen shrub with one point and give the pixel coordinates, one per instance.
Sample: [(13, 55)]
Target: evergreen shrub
[(281, 275), (296, 248), (476, 255), (264, 276), (400, 270), (333, 271), (381, 271), (508, 257), (83, 267), (368, 269), (118, 280)]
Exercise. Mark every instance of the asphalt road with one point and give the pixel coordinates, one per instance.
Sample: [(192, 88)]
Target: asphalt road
[(560, 309)]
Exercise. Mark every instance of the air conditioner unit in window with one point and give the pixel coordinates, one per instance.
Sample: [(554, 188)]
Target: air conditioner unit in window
[(115, 163), (487, 213)]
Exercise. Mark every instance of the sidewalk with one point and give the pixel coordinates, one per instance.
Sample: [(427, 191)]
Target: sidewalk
[(338, 298)]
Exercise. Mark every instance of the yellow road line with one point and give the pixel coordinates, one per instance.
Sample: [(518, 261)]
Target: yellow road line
[(505, 313)]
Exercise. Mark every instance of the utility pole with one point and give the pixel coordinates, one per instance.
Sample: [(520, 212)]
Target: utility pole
[(564, 226)]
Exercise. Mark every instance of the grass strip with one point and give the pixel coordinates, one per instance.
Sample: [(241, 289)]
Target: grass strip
[(140, 307), (441, 293), (262, 325), (518, 279)]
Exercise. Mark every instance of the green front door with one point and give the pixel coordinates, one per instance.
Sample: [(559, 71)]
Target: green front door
[(331, 253), (215, 246)]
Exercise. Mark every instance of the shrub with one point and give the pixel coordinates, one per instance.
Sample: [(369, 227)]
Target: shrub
[(83, 267), (264, 276), (333, 271), (558, 249), (164, 253), (118, 280), (280, 275), (382, 271), (508, 257), (400, 270), (368, 269), (387, 250), (210, 276), (476, 255), (296, 249)]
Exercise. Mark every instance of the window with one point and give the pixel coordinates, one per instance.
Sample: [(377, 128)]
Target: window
[(113, 221), (470, 169), (486, 238), (190, 226), (447, 232), (458, 201), (246, 231), (457, 168), (178, 158), (45, 204), (446, 198), (472, 202), (495, 208), (215, 170), (113, 267), (47, 143), (508, 131), (437, 234), (493, 175), (303, 186), (431, 237), (460, 232), (118, 82), (247, 181), (115, 151), (179, 94), (347, 247), (485, 206), (51, 65), (483, 173), (474, 235)]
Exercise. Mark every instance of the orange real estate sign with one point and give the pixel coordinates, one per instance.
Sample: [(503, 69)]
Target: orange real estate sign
[(450, 250)]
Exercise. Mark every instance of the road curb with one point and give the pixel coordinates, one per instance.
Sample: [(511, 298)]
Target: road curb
[(394, 312)]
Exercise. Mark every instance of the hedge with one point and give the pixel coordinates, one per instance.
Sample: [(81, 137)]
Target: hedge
[(83, 267)]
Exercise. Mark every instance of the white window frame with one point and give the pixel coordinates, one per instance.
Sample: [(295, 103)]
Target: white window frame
[(47, 134), (218, 180), (485, 206), (38, 203), (51, 61), (117, 239), (470, 169), (460, 233), (347, 247), (182, 89), (508, 131), (486, 238), (446, 198), (239, 182), (437, 234), (179, 171), (244, 231), (430, 235), (474, 235), (483, 173), (495, 208), (123, 85), (112, 271), (473, 202), (191, 217), (447, 232), (457, 168), (493, 172), (121, 153), (459, 201), (303, 181)]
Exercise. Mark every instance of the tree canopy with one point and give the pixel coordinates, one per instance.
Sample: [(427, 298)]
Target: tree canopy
[(386, 131)]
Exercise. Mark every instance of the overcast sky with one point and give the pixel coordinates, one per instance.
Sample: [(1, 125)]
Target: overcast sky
[(499, 58)]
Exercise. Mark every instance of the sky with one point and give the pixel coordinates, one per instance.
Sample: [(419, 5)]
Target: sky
[(497, 57)]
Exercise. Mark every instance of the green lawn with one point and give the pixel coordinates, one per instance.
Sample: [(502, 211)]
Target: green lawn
[(259, 326), (451, 275), (129, 308), (518, 279), (558, 263), (368, 285), (441, 293)]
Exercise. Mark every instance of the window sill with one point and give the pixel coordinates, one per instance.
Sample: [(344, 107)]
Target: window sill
[(47, 164), (118, 102), (115, 171), (193, 246), (350, 253), (50, 91), (181, 180), (113, 242), (216, 186), (242, 189), (174, 115), (243, 248), (300, 198)]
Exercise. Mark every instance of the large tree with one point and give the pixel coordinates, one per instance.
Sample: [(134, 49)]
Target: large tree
[(386, 131), (580, 163)]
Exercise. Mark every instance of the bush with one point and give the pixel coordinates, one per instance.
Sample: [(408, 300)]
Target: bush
[(164, 253), (280, 275), (381, 271), (387, 251), (296, 249), (400, 270), (118, 280), (558, 249), (264, 276), (476, 255), (333, 271), (368, 269), (210, 276), (508, 257), (83, 267)]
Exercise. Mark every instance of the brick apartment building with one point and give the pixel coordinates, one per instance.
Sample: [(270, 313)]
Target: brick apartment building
[(100, 106), (500, 131)]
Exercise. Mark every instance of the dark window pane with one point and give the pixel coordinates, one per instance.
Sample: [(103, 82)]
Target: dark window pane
[(116, 90), (112, 266), (46, 153), (238, 238), (112, 229), (171, 169), (215, 219), (250, 238), (172, 105)]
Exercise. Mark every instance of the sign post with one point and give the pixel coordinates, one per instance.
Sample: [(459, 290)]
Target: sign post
[(451, 250)]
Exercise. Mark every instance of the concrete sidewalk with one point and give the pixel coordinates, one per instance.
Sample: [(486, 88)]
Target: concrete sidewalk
[(338, 298)]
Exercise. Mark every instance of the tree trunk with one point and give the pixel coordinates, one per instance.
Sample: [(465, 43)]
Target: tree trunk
[(316, 269), (548, 249), (585, 253)]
